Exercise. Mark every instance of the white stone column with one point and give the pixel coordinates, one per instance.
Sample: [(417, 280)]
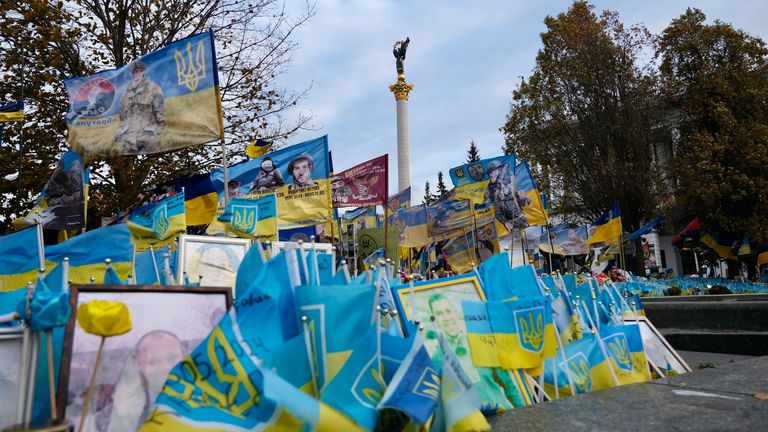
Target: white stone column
[(401, 90)]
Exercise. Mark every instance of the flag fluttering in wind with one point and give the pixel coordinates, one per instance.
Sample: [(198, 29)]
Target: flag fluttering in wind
[(607, 227), (365, 184), (158, 223), (12, 112), (165, 100), (258, 148)]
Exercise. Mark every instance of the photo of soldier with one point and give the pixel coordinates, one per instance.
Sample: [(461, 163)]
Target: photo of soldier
[(501, 192), (300, 168), (142, 114), (269, 177)]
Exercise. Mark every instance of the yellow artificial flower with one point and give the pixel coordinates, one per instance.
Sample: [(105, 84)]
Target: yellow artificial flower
[(104, 318)]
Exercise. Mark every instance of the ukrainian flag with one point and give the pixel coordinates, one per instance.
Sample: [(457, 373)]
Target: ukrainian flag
[(459, 254), (221, 386), (248, 218), (19, 259), (534, 211), (201, 200), (511, 335), (335, 322), (87, 252), (607, 227), (762, 256), (625, 349), (412, 226), (720, 243), (258, 148), (472, 179), (584, 363), (12, 112), (159, 223)]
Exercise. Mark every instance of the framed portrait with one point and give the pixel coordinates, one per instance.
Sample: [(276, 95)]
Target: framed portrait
[(216, 259), (168, 323), (661, 355), (441, 299), (11, 346)]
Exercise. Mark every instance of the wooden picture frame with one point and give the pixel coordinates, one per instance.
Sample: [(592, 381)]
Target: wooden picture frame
[(175, 319), (216, 259), (658, 351)]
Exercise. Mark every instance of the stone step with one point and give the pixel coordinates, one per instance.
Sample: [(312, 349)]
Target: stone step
[(740, 342), (713, 315)]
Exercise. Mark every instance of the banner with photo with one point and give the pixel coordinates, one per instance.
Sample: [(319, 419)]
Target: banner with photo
[(566, 240), (411, 223), (298, 176), (61, 205), (448, 218), (493, 180), (165, 100), (365, 184), (529, 196)]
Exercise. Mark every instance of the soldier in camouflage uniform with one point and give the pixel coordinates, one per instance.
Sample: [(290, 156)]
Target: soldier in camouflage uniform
[(142, 114)]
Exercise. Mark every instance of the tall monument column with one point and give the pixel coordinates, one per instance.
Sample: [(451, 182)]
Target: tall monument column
[(401, 89)]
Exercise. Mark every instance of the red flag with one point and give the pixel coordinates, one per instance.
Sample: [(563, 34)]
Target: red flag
[(689, 234), (362, 185)]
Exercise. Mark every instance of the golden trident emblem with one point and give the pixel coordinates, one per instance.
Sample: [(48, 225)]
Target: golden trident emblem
[(189, 71), (532, 330), (244, 221), (580, 374), (620, 350)]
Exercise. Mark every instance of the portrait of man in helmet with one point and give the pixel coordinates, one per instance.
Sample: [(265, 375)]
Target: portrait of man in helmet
[(142, 114), (300, 168)]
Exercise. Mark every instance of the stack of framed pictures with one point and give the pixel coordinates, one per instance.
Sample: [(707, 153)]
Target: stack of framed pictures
[(662, 358)]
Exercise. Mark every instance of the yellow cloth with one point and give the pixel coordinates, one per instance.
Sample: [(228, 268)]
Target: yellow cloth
[(104, 318)]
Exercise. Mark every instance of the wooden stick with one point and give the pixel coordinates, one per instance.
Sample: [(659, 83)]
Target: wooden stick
[(89, 392), (51, 386)]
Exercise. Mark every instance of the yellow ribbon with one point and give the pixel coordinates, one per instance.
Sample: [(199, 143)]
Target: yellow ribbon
[(104, 318)]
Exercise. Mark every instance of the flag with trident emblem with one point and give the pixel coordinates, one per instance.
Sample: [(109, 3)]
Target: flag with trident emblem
[(164, 100)]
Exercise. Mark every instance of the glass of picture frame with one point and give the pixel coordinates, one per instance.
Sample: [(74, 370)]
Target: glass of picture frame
[(168, 323), (215, 259), (661, 356)]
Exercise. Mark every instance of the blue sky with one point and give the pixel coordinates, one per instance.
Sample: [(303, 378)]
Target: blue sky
[(464, 59)]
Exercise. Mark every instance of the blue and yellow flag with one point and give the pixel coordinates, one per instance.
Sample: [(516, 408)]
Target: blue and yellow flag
[(335, 323), (720, 243), (521, 334), (411, 225), (607, 227), (258, 148), (459, 254), (248, 218), (158, 223), (533, 208), (61, 204), (415, 387), (398, 201), (503, 283), (584, 363), (19, 259), (87, 252), (201, 200), (221, 386), (298, 175), (473, 180), (165, 100), (625, 348), (762, 256), (566, 240), (12, 112), (448, 218)]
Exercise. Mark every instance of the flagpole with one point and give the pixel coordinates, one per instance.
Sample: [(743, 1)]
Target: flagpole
[(21, 126), (551, 248), (386, 205)]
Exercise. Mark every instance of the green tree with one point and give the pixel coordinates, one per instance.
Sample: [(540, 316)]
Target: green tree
[(441, 188), (473, 154), (46, 41), (589, 118), (428, 197), (715, 79)]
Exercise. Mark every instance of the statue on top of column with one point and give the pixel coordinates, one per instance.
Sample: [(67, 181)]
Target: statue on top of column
[(399, 51)]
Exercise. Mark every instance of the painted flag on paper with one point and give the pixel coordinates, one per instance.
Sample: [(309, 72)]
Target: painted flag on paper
[(298, 175), (165, 100), (362, 185)]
